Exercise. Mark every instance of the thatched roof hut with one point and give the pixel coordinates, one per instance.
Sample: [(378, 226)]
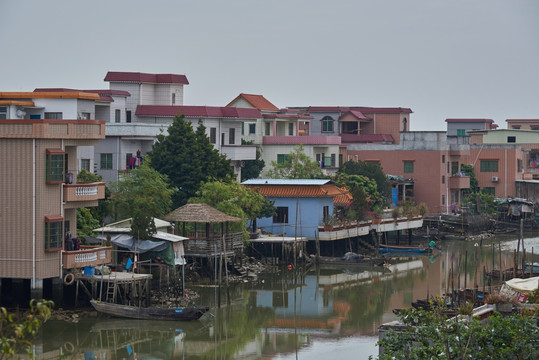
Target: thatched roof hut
[(204, 242), (200, 213)]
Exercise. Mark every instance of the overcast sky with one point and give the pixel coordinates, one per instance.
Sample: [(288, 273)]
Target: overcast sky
[(441, 58)]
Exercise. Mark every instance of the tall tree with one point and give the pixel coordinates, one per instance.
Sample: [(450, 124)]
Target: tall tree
[(142, 195), (297, 165), (372, 171), (234, 199), (188, 159), (252, 168)]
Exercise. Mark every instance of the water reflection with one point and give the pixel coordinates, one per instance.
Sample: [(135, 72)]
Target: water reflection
[(284, 313)]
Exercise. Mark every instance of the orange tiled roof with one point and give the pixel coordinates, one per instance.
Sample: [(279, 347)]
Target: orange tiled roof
[(15, 102), (340, 196), (257, 101), (49, 95)]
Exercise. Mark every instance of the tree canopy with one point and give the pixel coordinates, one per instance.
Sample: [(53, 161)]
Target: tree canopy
[(365, 195), (234, 199), (91, 218), (142, 195), (188, 159), (373, 171), (297, 165)]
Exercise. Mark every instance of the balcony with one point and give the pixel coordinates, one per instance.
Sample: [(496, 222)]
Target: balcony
[(239, 152), (53, 129), (459, 182), (86, 256), (303, 140), (84, 192)]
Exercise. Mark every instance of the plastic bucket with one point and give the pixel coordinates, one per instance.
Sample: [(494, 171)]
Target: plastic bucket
[(89, 270)]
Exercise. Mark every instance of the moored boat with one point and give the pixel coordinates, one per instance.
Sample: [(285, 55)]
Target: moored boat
[(404, 249), (149, 313)]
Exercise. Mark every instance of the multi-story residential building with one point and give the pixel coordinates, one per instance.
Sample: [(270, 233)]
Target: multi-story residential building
[(461, 127), (523, 124), (40, 133), (279, 131), (359, 124), (150, 103)]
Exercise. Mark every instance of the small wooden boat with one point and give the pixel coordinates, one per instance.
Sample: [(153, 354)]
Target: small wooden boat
[(149, 313), (404, 249)]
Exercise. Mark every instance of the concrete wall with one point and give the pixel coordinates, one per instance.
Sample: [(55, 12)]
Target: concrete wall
[(309, 216)]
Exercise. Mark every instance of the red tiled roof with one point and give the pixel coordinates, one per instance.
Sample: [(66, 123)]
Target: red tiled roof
[(340, 195), (257, 101), (137, 77), (469, 120), (356, 113), (197, 111)]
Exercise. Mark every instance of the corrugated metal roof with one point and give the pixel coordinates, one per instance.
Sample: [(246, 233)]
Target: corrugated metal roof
[(286, 182)]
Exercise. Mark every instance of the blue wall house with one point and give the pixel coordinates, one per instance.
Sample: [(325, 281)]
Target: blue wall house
[(301, 204)]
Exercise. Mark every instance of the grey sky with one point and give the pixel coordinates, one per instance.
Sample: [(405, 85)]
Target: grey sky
[(441, 58)]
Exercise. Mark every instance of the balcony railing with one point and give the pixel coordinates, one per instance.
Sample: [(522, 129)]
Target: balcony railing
[(305, 140), (86, 256), (239, 152), (84, 192), (53, 129), (459, 182)]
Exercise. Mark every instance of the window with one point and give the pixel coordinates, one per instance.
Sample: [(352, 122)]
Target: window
[(3, 112), (489, 166), (84, 116), (281, 217), (454, 168), (327, 161), (511, 139), (532, 128), (282, 158), (242, 128), (106, 161), (519, 165), (327, 124), (443, 199), (333, 160), (404, 125), (443, 179), (173, 98), (443, 159), (252, 129), (267, 129), (291, 129), (408, 167), (231, 136), (489, 191), (516, 127), (325, 212), (53, 233), (340, 160), (461, 132), (448, 164), (53, 115), (117, 113), (85, 164), (55, 166), (128, 116), (213, 135)]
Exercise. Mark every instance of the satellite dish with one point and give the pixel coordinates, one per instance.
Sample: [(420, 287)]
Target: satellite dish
[(20, 113)]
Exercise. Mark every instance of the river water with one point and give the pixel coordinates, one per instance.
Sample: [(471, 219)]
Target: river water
[(316, 313)]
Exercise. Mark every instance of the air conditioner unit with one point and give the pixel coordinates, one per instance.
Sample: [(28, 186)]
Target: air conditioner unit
[(495, 179)]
